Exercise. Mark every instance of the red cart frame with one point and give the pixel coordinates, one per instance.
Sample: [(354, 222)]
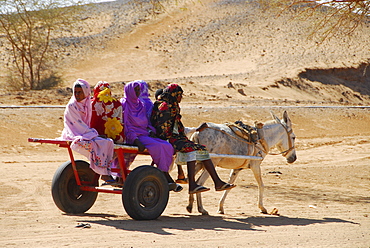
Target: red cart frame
[(145, 190)]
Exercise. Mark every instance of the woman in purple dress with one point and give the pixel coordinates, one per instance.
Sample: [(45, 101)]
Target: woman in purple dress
[(138, 132)]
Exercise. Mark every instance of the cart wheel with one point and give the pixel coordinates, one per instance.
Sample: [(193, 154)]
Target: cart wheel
[(145, 193), (67, 194)]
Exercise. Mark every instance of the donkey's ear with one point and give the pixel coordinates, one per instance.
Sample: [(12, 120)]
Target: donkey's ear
[(274, 116), (286, 118)]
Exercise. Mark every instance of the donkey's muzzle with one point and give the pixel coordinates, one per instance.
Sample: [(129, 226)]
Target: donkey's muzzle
[(291, 159)]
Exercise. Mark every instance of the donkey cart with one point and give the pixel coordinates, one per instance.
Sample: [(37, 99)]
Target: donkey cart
[(75, 186), (145, 190)]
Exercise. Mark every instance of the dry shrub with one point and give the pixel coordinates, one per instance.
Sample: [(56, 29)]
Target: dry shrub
[(328, 17)]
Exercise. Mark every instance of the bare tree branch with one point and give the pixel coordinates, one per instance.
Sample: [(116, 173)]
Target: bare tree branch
[(28, 26), (335, 16)]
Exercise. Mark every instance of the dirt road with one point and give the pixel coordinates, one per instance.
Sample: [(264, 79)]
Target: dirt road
[(323, 198)]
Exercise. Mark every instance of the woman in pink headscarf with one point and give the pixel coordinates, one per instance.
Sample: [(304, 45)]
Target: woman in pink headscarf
[(138, 129), (85, 140)]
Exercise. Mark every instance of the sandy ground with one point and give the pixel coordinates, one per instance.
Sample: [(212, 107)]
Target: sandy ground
[(323, 198), (235, 62)]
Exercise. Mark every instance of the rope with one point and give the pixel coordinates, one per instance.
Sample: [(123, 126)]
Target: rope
[(258, 145)]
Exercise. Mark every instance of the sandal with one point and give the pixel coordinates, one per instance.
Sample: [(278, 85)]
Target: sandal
[(182, 180), (112, 182), (175, 187), (226, 186), (106, 178), (84, 225), (199, 189)]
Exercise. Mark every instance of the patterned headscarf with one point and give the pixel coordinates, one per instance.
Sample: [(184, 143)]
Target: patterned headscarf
[(171, 93), (166, 116), (84, 85), (166, 112), (107, 113), (101, 86)]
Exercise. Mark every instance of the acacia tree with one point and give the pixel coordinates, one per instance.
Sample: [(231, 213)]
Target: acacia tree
[(328, 16), (28, 26)]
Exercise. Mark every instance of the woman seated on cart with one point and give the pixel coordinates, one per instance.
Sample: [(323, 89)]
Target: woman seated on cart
[(166, 118), (106, 116), (138, 131), (86, 140), (107, 120)]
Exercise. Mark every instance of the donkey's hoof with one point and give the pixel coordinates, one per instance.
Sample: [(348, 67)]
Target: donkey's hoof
[(189, 209), (263, 209)]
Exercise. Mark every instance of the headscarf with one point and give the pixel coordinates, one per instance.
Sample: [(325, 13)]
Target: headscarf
[(144, 97), (134, 112), (144, 89), (77, 115), (169, 98), (166, 112), (132, 102), (166, 118), (171, 93), (84, 105), (99, 87), (107, 113)]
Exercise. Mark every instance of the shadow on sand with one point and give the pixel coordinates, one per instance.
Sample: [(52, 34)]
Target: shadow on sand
[(164, 224)]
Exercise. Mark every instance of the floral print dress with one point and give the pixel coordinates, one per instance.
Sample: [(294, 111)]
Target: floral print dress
[(107, 113), (166, 118)]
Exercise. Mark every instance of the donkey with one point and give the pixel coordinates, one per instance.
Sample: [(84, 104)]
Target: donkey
[(220, 139)]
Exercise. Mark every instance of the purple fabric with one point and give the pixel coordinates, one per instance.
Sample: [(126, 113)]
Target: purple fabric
[(144, 89), (85, 140), (135, 120), (144, 97), (160, 150), (137, 127)]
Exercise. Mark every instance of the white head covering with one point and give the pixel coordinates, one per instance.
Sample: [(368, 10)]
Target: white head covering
[(85, 105), (77, 116)]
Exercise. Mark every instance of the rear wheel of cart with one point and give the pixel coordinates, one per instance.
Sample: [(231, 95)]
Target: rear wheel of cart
[(145, 193), (67, 194)]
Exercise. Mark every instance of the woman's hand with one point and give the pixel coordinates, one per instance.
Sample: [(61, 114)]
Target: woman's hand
[(140, 145)]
